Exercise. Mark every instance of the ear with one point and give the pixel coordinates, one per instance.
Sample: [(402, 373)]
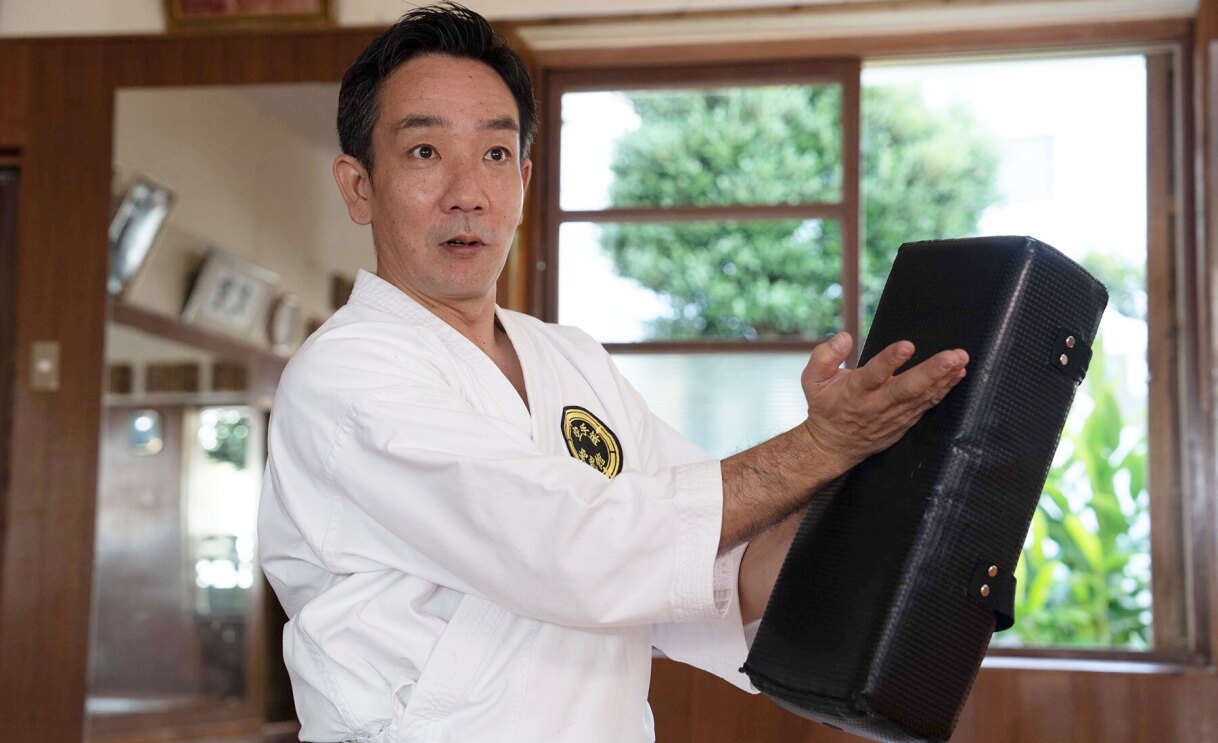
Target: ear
[(526, 172), (355, 185)]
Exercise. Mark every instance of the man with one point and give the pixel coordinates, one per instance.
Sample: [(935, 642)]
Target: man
[(477, 528)]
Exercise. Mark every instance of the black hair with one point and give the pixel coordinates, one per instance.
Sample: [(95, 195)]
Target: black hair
[(445, 28)]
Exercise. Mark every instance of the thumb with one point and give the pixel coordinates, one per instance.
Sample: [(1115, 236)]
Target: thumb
[(826, 358)]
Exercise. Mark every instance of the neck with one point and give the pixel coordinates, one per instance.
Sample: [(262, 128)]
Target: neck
[(475, 319), (472, 318)]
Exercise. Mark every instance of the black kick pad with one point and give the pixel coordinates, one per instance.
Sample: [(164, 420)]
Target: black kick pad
[(893, 586)]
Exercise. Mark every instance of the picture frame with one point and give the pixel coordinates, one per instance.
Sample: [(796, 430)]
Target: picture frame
[(230, 294), (285, 324), (137, 221), (216, 15)]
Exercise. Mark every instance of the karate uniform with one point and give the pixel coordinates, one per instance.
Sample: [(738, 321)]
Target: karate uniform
[(459, 567)]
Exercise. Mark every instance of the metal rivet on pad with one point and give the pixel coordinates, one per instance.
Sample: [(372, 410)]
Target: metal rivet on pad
[(1064, 359), (993, 571), (985, 591), (1069, 341)]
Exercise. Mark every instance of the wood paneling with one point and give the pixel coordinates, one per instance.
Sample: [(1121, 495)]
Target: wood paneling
[(64, 134), (60, 297), (14, 92), (1006, 706)]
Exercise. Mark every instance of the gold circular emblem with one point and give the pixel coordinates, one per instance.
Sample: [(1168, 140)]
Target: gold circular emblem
[(591, 441)]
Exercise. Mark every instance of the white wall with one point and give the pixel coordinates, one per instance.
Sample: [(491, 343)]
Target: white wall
[(245, 182)]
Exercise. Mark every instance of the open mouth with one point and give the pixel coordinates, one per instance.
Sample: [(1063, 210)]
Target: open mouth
[(467, 240)]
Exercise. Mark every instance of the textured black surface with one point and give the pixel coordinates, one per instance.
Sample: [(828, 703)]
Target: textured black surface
[(871, 627)]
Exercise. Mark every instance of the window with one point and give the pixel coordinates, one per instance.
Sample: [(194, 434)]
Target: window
[(704, 231), (1063, 143), (706, 257)]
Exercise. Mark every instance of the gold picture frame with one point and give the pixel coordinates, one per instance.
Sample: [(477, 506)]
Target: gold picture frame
[(224, 15)]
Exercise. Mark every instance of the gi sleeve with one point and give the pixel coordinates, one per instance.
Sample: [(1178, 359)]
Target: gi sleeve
[(717, 644)]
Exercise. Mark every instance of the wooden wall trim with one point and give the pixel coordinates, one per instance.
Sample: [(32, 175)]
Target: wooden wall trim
[(66, 142), (1023, 39)]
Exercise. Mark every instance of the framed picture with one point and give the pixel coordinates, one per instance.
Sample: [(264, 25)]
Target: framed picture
[(230, 294), (137, 221), (203, 15), (285, 324)]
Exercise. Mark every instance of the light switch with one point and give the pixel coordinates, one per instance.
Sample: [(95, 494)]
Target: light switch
[(44, 366)]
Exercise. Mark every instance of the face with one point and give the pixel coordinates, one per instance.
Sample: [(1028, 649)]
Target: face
[(444, 198)]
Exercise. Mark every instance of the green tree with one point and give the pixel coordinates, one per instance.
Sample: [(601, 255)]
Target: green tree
[(926, 174)]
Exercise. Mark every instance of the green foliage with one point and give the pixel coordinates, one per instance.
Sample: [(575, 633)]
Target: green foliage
[(771, 145), (1084, 577), (224, 435), (1126, 283), (926, 174), (735, 279)]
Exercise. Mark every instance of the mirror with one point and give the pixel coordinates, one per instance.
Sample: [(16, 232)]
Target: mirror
[(214, 188)]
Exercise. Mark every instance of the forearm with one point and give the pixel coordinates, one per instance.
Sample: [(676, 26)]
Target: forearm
[(765, 484)]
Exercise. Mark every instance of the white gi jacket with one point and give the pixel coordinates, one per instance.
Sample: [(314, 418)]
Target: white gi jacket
[(452, 570)]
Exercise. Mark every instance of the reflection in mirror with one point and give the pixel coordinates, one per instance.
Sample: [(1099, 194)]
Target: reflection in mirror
[(175, 593), (134, 228), (223, 480), (146, 432)]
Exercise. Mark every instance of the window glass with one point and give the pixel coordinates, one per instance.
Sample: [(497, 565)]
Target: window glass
[(714, 147), (724, 402), (1066, 142), (762, 279)]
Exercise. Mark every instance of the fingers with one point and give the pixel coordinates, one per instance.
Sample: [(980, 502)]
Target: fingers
[(853, 414), (932, 379), (884, 364), (827, 357)]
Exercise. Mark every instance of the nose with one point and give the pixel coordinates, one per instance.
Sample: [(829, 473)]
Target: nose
[(466, 191)]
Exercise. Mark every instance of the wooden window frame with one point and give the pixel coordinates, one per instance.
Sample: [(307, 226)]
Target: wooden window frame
[(842, 72), (1176, 350)]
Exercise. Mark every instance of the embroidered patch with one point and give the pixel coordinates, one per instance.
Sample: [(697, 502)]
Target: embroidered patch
[(591, 441)]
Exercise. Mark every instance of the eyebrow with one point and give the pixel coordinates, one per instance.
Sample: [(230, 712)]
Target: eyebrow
[(427, 121)]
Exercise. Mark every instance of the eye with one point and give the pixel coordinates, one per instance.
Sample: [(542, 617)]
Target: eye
[(423, 151), (498, 154)]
